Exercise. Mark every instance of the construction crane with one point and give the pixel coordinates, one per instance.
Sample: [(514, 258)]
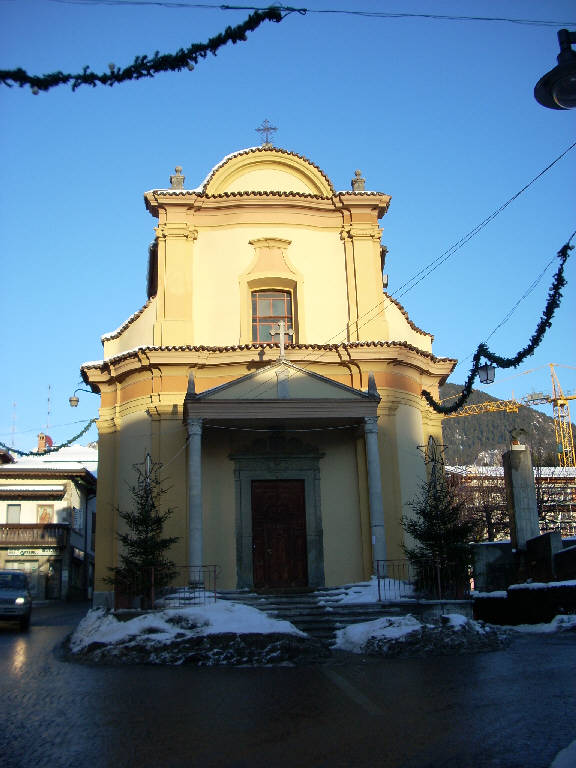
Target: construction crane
[(561, 411), (562, 421), (510, 406)]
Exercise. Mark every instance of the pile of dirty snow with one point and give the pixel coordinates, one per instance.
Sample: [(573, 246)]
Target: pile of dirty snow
[(222, 632), (408, 636)]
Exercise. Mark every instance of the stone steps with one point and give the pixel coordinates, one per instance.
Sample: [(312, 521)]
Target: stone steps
[(319, 614)]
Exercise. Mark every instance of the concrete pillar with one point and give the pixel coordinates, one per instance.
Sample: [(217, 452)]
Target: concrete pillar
[(374, 490), (520, 495), (195, 526)]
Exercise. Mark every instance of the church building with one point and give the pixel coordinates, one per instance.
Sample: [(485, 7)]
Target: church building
[(272, 377)]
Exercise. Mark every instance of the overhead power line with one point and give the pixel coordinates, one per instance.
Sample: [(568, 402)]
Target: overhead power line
[(172, 4), (554, 297), (449, 252), (412, 282), (511, 311)]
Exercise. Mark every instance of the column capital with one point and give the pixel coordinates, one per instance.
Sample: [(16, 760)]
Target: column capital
[(370, 424), (194, 425), (176, 230)]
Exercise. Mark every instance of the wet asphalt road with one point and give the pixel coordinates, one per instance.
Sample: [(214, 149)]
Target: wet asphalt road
[(506, 709)]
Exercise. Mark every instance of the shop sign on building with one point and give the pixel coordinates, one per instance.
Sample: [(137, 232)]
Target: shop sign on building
[(35, 552)]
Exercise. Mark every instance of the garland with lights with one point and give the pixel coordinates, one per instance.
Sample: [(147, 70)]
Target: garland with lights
[(554, 296), (143, 66), (54, 448)]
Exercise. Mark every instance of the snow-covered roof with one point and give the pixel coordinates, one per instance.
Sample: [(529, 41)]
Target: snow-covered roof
[(470, 470), (44, 488), (72, 457)]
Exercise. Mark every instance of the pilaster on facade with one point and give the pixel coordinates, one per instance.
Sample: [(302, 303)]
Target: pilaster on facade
[(175, 280), (366, 319)]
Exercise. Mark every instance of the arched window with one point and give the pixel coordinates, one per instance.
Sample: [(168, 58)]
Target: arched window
[(268, 308)]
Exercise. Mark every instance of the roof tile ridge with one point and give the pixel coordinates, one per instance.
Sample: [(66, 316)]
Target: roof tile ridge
[(407, 316), (403, 344), (253, 150), (258, 345), (127, 323), (174, 192), (360, 192), (266, 193)]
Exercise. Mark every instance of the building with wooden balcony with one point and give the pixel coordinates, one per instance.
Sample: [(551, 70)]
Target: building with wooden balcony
[(47, 519)]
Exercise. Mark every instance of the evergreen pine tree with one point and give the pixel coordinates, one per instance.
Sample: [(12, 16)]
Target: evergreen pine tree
[(441, 554), (144, 566)]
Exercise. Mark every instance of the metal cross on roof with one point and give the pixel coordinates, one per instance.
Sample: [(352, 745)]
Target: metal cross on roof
[(266, 129), (280, 330)]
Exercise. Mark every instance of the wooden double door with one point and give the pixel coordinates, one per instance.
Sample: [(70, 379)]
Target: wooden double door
[(279, 551)]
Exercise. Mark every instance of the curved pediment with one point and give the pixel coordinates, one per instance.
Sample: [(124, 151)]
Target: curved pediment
[(267, 169)]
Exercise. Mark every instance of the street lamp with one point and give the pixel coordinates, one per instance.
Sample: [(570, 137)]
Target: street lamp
[(557, 89), (486, 373), (73, 400)]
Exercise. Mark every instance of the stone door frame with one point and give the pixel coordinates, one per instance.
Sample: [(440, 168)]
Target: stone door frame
[(252, 464)]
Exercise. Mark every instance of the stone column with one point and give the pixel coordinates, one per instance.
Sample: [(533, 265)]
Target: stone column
[(194, 429), (375, 490), (520, 495)]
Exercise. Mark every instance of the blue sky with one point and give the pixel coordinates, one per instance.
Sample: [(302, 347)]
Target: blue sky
[(438, 114)]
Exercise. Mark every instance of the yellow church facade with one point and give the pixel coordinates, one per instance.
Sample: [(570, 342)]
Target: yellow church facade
[(271, 376)]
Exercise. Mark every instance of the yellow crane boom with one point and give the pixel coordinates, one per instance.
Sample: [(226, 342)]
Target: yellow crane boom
[(510, 406)]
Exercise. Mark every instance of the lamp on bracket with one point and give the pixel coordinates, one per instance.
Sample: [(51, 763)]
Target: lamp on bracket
[(74, 400), (557, 88)]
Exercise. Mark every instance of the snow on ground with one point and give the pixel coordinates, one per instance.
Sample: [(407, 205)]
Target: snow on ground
[(354, 637), (566, 758), (226, 632), (367, 592), (164, 627), (407, 635), (558, 624)]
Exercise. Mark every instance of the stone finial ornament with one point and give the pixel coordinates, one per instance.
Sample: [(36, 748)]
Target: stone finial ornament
[(372, 388), (358, 182), (177, 180)]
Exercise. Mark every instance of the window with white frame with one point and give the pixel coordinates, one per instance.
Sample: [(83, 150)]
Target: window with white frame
[(13, 513)]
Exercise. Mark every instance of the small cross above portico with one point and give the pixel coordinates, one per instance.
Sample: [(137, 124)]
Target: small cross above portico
[(280, 330)]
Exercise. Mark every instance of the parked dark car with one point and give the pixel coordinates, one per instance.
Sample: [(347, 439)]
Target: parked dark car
[(15, 598)]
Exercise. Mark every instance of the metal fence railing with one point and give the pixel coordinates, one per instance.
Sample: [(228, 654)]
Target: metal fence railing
[(426, 580), (149, 590)]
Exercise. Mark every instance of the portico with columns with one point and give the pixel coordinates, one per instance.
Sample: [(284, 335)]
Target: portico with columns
[(272, 377)]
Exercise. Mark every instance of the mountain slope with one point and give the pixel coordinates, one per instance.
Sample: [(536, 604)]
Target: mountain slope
[(467, 437)]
